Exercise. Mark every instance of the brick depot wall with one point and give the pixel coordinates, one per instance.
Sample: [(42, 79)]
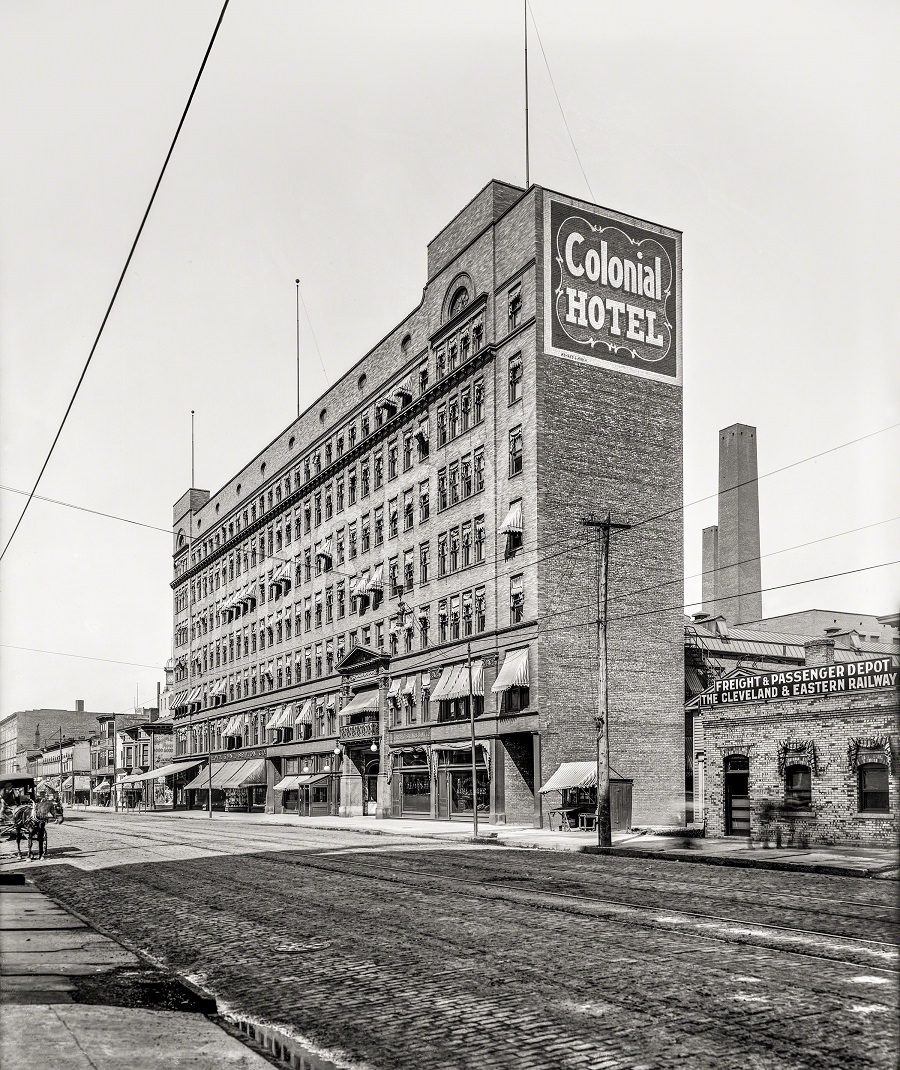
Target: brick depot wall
[(831, 722)]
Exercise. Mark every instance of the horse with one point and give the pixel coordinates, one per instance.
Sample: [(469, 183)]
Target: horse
[(32, 819)]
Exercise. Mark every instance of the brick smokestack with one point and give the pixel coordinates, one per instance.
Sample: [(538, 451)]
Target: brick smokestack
[(732, 548), (79, 705), (819, 652)]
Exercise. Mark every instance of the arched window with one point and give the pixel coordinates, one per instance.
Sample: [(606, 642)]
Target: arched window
[(458, 302), (798, 787), (872, 779)]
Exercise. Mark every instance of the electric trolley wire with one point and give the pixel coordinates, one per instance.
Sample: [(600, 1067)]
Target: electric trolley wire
[(79, 657), (112, 300)]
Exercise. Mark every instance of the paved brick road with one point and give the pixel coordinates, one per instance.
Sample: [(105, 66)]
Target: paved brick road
[(407, 955)]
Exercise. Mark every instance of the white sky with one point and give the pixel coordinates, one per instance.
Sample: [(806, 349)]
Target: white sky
[(332, 141)]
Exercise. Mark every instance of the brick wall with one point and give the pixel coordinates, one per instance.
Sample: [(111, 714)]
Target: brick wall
[(831, 722)]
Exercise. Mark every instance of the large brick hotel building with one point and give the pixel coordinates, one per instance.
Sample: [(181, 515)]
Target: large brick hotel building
[(434, 496)]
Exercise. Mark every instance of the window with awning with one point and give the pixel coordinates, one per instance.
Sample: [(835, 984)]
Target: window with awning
[(404, 391), (512, 686), (376, 580), (305, 716), (237, 774), (364, 702), (512, 527), (273, 721)]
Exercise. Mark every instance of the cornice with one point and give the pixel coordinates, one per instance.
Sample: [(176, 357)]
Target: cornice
[(378, 435)]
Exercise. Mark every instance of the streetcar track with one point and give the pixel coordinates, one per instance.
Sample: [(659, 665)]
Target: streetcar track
[(499, 887)]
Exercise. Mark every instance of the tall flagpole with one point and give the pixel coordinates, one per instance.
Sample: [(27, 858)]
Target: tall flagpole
[(527, 167), (190, 659), (297, 283)]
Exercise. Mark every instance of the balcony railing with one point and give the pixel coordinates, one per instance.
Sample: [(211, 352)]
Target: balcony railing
[(362, 730)]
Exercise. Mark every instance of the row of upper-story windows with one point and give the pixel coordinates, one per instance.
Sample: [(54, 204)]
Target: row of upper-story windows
[(462, 411)]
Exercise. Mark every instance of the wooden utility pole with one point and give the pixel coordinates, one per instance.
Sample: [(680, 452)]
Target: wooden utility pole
[(604, 823)]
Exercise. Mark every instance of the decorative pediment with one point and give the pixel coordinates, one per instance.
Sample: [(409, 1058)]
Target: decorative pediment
[(876, 749), (362, 659), (799, 752)]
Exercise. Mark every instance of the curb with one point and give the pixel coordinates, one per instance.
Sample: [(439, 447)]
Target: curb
[(738, 862), (206, 1004)]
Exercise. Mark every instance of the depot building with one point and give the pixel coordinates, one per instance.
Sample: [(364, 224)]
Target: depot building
[(409, 556)]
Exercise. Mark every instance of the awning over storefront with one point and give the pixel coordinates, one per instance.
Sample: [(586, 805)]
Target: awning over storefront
[(467, 746), (231, 775), (160, 771), (288, 783), (513, 672), (312, 778), (101, 789), (513, 520), (305, 716), (572, 775), (364, 702), (68, 783)]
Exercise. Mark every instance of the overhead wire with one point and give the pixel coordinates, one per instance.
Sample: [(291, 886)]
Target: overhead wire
[(118, 286)]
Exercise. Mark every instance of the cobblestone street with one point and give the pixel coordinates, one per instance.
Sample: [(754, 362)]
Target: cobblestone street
[(390, 952)]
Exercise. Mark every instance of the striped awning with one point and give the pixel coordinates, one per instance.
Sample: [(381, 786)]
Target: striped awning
[(513, 520), (458, 684), (572, 775), (440, 688), (288, 783), (358, 587), (161, 771), (422, 431), (396, 687), (376, 580), (194, 695), (364, 702), (409, 688), (326, 549), (179, 700), (235, 726), (405, 388), (69, 782), (305, 716), (238, 774), (514, 671), (274, 719)]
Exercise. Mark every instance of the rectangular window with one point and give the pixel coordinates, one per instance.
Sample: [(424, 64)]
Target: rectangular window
[(423, 379), (351, 488), (365, 537), (329, 605), (395, 583), (341, 603), (407, 451), (408, 510), (329, 507), (318, 610), (515, 451), (379, 525), (393, 469), (424, 560), (351, 540), (442, 555), (478, 402), (516, 599), (515, 307), (515, 378), (339, 495), (478, 470), (480, 609), (465, 477), (442, 489), (424, 507), (442, 620), (454, 549), (378, 468), (453, 417), (339, 547), (468, 617), (408, 569), (364, 478), (453, 483), (454, 617), (441, 426), (393, 519), (466, 544)]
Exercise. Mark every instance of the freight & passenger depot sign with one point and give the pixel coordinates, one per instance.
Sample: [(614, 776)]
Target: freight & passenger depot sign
[(612, 290), (837, 679)]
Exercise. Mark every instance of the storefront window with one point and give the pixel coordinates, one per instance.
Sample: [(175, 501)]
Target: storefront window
[(415, 792)]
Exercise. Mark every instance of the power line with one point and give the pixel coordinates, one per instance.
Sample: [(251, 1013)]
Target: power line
[(112, 300), (659, 610), (313, 333), (765, 475), (80, 657), (85, 509)]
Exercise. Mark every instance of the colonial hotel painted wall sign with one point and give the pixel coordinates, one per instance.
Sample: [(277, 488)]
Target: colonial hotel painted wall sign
[(612, 290)]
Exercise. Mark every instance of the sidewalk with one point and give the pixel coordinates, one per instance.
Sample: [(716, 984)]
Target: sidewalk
[(848, 861), (71, 999)]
